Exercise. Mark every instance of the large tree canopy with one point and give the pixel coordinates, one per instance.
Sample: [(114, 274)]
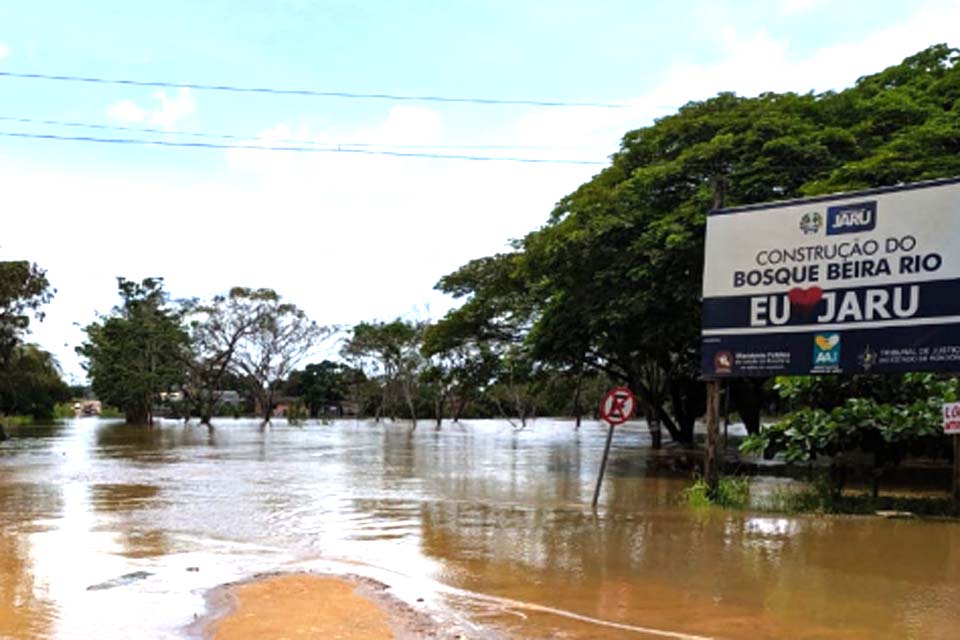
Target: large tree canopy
[(612, 281), (24, 288), (137, 351)]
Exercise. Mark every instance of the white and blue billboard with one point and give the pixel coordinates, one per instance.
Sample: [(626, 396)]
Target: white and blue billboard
[(865, 282)]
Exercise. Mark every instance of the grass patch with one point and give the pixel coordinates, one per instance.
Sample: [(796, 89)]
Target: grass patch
[(817, 498), (732, 492)]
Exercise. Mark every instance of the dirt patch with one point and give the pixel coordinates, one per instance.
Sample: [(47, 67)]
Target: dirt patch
[(303, 605)]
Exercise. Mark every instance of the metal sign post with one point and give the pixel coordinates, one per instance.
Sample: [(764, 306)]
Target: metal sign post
[(617, 407), (951, 427)]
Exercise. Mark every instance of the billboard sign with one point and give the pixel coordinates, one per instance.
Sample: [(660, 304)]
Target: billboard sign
[(865, 282)]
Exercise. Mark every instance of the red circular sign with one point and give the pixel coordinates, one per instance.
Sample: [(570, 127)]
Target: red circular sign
[(618, 406)]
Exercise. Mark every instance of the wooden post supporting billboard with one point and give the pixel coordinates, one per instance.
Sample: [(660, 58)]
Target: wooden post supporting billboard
[(951, 427), (711, 460), (956, 475)]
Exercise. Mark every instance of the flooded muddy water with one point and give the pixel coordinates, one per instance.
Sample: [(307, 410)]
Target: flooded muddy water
[(110, 531)]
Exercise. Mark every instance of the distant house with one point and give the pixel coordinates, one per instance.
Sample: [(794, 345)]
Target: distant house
[(346, 408), (87, 408), (229, 396)]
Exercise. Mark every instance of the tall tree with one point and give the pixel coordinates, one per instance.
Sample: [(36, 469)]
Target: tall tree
[(24, 289), (216, 329), (137, 351), (393, 349), (279, 339), (322, 385), (612, 282), (31, 384)]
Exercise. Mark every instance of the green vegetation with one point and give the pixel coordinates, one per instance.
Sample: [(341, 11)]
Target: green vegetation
[(732, 492), (611, 283), (30, 382), (606, 291), (136, 352), (817, 497), (885, 417), (322, 386)]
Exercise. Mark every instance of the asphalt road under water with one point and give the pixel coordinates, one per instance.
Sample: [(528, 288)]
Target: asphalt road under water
[(109, 531)]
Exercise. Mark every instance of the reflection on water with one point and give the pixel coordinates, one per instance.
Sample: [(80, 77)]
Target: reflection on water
[(478, 507)]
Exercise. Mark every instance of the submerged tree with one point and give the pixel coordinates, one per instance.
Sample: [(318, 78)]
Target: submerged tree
[(137, 351), (393, 350), (281, 336), (322, 385), (217, 329)]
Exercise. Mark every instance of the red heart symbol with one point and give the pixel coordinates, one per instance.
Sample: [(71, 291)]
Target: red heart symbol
[(805, 299)]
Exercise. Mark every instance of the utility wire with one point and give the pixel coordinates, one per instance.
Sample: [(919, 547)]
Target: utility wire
[(294, 141), (302, 149), (309, 92)]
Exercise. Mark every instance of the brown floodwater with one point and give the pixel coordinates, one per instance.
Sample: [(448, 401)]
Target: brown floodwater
[(109, 532)]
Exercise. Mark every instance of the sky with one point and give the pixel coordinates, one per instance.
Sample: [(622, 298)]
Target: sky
[(349, 236)]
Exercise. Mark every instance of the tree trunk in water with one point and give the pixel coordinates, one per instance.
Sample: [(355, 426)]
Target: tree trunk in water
[(576, 398), (838, 477), (136, 416), (410, 407), (461, 405), (656, 436), (3, 434), (671, 426), (747, 396), (438, 411), (688, 399)]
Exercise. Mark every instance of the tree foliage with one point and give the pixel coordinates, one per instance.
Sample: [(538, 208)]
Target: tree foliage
[(322, 385), (30, 383), (137, 351), (24, 289), (886, 417), (217, 329), (279, 338), (612, 281), (391, 352)]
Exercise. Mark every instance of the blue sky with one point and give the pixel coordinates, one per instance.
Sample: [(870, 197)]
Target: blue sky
[(351, 238)]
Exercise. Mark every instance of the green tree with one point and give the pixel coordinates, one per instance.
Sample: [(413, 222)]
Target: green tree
[(217, 328), (24, 289), (612, 282), (279, 339), (884, 417), (392, 351), (31, 384), (136, 352), (322, 385)]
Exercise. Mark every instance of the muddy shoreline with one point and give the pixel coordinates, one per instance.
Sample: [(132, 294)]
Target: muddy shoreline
[(404, 621)]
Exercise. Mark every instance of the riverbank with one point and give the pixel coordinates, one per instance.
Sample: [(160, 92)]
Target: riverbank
[(305, 605)]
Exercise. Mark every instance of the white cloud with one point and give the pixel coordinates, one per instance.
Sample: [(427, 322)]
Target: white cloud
[(166, 114), (127, 112), (794, 7), (4, 51), (172, 108)]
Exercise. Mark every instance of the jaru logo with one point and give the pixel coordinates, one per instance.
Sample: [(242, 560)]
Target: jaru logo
[(852, 218)]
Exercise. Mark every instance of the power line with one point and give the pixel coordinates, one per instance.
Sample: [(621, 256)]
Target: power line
[(301, 149), (311, 92), (294, 141)]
